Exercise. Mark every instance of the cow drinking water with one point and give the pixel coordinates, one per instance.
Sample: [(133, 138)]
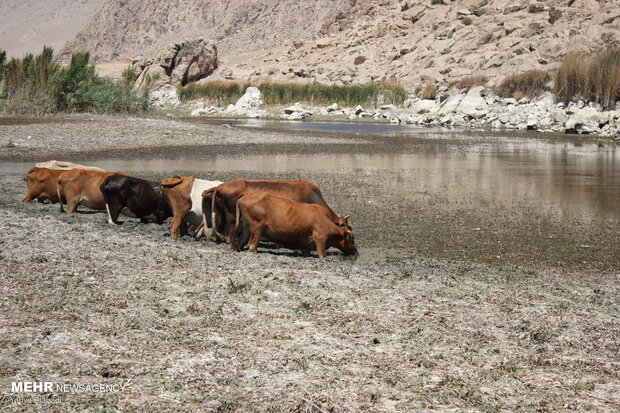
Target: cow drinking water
[(290, 223)]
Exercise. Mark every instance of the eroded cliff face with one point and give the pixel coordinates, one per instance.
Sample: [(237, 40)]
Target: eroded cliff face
[(142, 27), (351, 41)]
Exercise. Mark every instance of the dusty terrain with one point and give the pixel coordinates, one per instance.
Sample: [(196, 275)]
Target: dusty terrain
[(28, 25), (414, 324), (358, 42)]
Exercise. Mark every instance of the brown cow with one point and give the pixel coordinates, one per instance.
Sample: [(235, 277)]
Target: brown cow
[(222, 201), (43, 185), (81, 187), (290, 223), (184, 194)]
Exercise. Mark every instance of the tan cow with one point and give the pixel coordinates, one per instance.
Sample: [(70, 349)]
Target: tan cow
[(222, 200), (65, 165), (291, 223), (43, 185), (184, 194), (81, 187)]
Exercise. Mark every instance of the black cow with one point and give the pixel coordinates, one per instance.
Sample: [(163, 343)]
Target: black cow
[(135, 198)]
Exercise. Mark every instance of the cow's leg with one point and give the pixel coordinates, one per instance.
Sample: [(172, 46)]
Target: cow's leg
[(177, 223), (257, 233), (184, 230), (72, 205), (320, 245), (200, 231), (29, 197), (305, 252), (113, 212)]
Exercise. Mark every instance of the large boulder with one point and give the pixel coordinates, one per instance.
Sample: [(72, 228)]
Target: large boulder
[(249, 100), (164, 97), (179, 64)]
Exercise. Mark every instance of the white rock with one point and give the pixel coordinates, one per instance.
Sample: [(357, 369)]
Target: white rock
[(331, 108), (250, 99), (164, 97)]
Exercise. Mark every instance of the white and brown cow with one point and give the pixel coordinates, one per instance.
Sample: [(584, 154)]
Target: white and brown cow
[(184, 194)]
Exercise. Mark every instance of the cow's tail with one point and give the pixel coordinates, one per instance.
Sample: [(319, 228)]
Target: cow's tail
[(238, 232), (218, 235), (62, 209), (207, 210)]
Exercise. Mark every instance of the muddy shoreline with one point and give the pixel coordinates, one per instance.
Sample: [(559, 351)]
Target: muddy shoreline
[(427, 318)]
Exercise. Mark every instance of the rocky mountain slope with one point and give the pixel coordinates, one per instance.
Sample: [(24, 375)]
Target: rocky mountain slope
[(28, 25), (349, 41)]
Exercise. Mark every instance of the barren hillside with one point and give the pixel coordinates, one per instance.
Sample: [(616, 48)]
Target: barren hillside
[(352, 41), (28, 25)]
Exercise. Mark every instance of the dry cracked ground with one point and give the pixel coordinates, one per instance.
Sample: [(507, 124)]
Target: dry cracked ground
[(192, 326)]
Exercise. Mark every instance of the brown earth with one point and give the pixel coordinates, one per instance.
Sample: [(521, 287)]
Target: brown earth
[(192, 326)]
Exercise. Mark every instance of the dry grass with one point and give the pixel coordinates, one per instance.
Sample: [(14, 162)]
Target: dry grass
[(428, 92), (531, 83), (471, 81), (226, 92), (593, 77)]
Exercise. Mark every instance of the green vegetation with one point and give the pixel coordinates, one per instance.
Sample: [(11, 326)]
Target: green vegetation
[(594, 77), (531, 84), (223, 92), (478, 11), (466, 21), (38, 85)]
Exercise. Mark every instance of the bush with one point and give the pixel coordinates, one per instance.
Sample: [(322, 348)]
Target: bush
[(428, 92), (593, 77), (36, 85), (466, 21), (226, 92), (471, 81), (531, 83), (478, 11)]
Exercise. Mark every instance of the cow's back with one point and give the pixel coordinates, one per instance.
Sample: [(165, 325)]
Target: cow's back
[(198, 187), (82, 186)]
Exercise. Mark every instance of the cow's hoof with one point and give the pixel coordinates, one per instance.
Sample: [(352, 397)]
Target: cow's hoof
[(112, 222)]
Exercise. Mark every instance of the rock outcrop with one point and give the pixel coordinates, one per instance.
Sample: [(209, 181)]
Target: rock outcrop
[(178, 65), (356, 42)]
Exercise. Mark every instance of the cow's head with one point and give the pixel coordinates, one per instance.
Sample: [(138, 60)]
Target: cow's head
[(343, 222), (347, 245)]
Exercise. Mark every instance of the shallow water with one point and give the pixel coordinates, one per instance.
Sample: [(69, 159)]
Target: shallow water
[(471, 195), (574, 180)]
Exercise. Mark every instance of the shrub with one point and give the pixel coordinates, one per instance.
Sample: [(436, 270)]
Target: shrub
[(471, 81), (531, 83), (359, 60), (478, 11), (466, 21), (2, 64), (593, 77), (428, 92), (436, 2), (36, 85)]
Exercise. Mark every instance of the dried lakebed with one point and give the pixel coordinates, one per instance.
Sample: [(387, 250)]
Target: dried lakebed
[(435, 314)]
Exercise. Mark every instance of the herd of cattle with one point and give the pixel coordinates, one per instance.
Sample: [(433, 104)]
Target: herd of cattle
[(240, 212)]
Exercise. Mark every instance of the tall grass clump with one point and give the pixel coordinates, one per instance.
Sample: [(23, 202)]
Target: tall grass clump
[(531, 84), (37, 85), (226, 92), (219, 92), (593, 77)]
